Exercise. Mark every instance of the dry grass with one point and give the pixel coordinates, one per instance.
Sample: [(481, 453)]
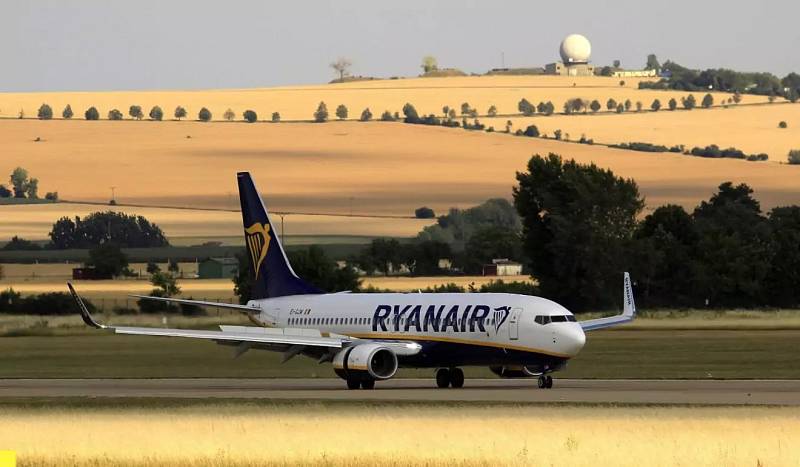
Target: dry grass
[(222, 435), (753, 129)]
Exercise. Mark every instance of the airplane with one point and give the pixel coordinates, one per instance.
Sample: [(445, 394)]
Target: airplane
[(368, 336)]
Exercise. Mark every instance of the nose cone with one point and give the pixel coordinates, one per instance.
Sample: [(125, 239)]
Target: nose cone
[(572, 338)]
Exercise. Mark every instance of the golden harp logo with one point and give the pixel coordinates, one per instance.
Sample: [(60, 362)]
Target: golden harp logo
[(257, 239)]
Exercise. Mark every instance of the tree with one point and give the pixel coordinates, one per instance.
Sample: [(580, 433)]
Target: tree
[(452, 114), (45, 112), (446, 111), (708, 101), (656, 105), (652, 63), (422, 257), (429, 64), (784, 275), (611, 105), (341, 112), (114, 114), (166, 283), (424, 213), (689, 102), (492, 112), (51, 196), (578, 222), (531, 131), (526, 108), (595, 106), (549, 108), (673, 104), (127, 231), (794, 156), (411, 113), (321, 115), (341, 66), (384, 255), (107, 259), (152, 267), (386, 116), (20, 244), (628, 104), (172, 266), (250, 116), (67, 112), (156, 113), (19, 182), (135, 111), (509, 124), (639, 106), (229, 115), (204, 115), (276, 117), (180, 112), (617, 63), (5, 192), (32, 189), (488, 243), (782, 124), (620, 108), (465, 108), (366, 115), (737, 97), (91, 114)]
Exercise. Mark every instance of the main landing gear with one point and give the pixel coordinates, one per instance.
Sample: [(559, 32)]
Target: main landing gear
[(363, 383), (545, 382), (452, 377)]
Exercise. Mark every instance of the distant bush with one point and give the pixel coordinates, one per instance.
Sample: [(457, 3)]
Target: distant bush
[(45, 112), (557, 135), (475, 125), (782, 125), (411, 113), (341, 112), (387, 116), (321, 115), (366, 115), (708, 101), (794, 156), (204, 115), (714, 151), (646, 147), (656, 105), (20, 244), (276, 117), (5, 192), (229, 115), (516, 287), (532, 131), (91, 114), (54, 303), (526, 108), (620, 108), (673, 104), (51, 196), (180, 112), (689, 102), (611, 105), (492, 112), (135, 111), (114, 114), (424, 213), (250, 116), (595, 106), (67, 113), (156, 113)]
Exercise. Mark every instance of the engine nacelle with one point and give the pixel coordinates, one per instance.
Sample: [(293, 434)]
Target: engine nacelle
[(516, 371), (371, 360)]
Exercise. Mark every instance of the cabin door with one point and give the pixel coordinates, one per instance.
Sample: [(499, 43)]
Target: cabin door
[(513, 323)]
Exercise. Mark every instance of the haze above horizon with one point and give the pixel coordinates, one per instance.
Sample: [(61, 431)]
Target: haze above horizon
[(99, 45)]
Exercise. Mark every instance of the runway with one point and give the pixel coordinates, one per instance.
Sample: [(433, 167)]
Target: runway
[(706, 392)]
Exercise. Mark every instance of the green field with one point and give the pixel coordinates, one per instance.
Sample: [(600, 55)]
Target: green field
[(608, 354)]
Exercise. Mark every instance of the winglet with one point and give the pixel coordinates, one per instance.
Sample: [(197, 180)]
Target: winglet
[(87, 318), (629, 308)]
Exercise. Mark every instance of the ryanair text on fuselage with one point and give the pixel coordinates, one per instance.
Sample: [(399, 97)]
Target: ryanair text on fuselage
[(437, 318)]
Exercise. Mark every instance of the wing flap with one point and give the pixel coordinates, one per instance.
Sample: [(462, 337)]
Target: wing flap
[(261, 338)]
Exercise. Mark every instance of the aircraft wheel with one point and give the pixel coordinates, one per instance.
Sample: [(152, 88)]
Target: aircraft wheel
[(353, 383), (542, 382), (442, 377), (549, 382), (456, 377), (368, 384)]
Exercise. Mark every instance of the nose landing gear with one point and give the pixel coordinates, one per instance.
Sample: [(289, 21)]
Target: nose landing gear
[(452, 377), (545, 382)]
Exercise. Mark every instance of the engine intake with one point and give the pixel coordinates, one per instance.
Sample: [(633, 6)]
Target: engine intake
[(366, 360)]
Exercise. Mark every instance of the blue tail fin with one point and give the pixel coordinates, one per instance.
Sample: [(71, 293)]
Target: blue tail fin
[(274, 276)]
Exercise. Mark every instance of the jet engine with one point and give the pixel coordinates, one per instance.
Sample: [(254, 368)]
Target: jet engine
[(362, 361)]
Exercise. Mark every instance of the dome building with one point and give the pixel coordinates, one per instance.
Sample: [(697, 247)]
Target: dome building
[(575, 51)]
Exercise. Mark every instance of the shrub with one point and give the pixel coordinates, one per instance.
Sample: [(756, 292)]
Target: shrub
[(673, 104), (639, 106), (67, 113), (180, 112), (114, 114), (656, 105), (91, 114), (276, 117), (531, 131), (492, 112), (595, 106), (611, 105), (156, 113), (250, 116), (628, 105), (204, 115), (527, 109), (5, 192), (466, 109), (708, 101), (229, 115), (341, 112), (424, 213), (411, 113), (689, 102), (386, 116), (557, 134), (54, 303), (620, 108), (135, 111), (51, 196), (321, 115), (622, 83), (366, 115), (794, 156), (782, 125), (45, 112)]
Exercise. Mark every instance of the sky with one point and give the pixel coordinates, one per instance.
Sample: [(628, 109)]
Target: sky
[(92, 45)]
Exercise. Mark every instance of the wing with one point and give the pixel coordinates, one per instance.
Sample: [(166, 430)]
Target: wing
[(628, 312)]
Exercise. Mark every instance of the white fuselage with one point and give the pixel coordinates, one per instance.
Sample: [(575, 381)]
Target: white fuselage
[(491, 321)]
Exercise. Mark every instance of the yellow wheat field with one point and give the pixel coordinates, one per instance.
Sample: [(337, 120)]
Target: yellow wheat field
[(223, 435), (428, 95)]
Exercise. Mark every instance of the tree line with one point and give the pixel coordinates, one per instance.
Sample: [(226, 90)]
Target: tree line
[(23, 186)]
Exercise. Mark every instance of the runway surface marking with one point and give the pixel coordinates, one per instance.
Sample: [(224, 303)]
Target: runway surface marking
[(714, 392)]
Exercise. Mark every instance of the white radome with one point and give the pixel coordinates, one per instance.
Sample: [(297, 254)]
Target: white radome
[(575, 49)]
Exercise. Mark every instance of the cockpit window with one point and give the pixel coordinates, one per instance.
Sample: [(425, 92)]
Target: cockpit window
[(544, 319)]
